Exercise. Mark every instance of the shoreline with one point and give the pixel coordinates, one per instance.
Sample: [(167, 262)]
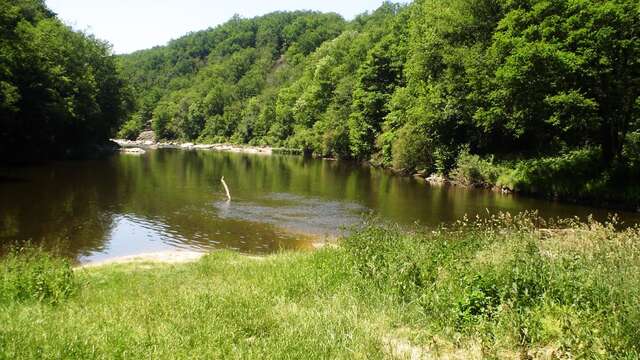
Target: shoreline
[(161, 257), (181, 256), (139, 146), (254, 306)]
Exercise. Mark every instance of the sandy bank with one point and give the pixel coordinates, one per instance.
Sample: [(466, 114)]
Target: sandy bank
[(167, 257)]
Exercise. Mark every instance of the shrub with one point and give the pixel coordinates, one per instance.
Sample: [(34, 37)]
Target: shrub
[(473, 170), (30, 274), (305, 140), (574, 173), (412, 149), (132, 128), (631, 150)]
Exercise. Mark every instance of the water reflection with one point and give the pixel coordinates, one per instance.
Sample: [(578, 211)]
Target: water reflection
[(173, 199), (298, 213)]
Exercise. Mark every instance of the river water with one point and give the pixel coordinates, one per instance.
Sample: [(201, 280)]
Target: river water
[(173, 199)]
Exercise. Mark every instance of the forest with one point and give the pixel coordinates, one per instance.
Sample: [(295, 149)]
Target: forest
[(60, 92), (532, 96)]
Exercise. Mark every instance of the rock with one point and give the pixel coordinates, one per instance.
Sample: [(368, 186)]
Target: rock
[(505, 190), (187, 146), (148, 137), (436, 179), (132, 151), (203, 147)]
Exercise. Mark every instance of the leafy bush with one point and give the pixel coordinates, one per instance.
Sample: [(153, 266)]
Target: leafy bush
[(573, 173), (412, 149), (132, 128), (305, 140), (473, 170), (30, 274), (631, 150)]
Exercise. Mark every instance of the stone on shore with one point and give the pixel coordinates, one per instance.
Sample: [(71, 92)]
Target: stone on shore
[(436, 179), (132, 151), (147, 137)]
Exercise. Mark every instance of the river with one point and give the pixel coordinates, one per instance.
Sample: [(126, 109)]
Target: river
[(173, 199)]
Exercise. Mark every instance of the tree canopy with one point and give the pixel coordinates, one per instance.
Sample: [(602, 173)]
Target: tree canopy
[(59, 89)]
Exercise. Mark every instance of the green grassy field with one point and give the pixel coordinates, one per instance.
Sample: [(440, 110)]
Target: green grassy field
[(499, 288)]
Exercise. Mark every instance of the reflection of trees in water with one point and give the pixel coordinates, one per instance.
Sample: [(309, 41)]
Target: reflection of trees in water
[(66, 206), (74, 204), (179, 189)]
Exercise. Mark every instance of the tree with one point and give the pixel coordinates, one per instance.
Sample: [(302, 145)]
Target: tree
[(568, 73), (59, 89)]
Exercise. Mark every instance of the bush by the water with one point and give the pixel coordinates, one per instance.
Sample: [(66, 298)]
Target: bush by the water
[(473, 170), (513, 282), (30, 274), (577, 175), (132, 128)]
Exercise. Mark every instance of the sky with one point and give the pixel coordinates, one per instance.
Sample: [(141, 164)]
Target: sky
[(131, 25)]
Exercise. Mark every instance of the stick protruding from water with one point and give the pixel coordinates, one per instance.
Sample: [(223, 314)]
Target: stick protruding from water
[(226, 188)]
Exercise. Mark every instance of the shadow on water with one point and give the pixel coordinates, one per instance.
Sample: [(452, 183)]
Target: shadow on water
[(169, 199), (11, 179)]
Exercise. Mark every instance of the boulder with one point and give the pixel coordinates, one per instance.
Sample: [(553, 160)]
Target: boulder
[(435, 179), (148, 137)]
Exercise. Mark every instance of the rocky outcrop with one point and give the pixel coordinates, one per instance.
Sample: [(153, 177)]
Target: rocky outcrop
[(147, 136), (436, 179)]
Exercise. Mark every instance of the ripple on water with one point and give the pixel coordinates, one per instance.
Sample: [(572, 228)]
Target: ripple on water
[(298, 213)]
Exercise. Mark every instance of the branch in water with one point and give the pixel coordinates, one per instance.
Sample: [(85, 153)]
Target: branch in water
[(226, 188)]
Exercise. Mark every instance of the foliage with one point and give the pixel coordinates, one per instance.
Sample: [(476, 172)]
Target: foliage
[(518, 83), (473, 170), (30, 274), (504, 77), (412, 149), (132, 128), (405, 85), (299, 79), (58, 88)]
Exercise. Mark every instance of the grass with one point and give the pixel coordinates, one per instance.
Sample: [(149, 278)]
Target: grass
[(502, 287)]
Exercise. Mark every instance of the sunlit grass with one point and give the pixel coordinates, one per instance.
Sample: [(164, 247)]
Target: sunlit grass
[(226, 305)]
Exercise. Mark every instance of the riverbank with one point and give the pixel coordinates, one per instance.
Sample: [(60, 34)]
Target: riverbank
[(162, 257), (551, 179), (138, 145), (505, 287)]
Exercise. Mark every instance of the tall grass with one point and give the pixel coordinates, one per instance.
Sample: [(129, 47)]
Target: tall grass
[(513, 283), (31, 274)]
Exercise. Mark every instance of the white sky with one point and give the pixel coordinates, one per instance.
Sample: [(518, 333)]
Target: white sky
[(131, 25)]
